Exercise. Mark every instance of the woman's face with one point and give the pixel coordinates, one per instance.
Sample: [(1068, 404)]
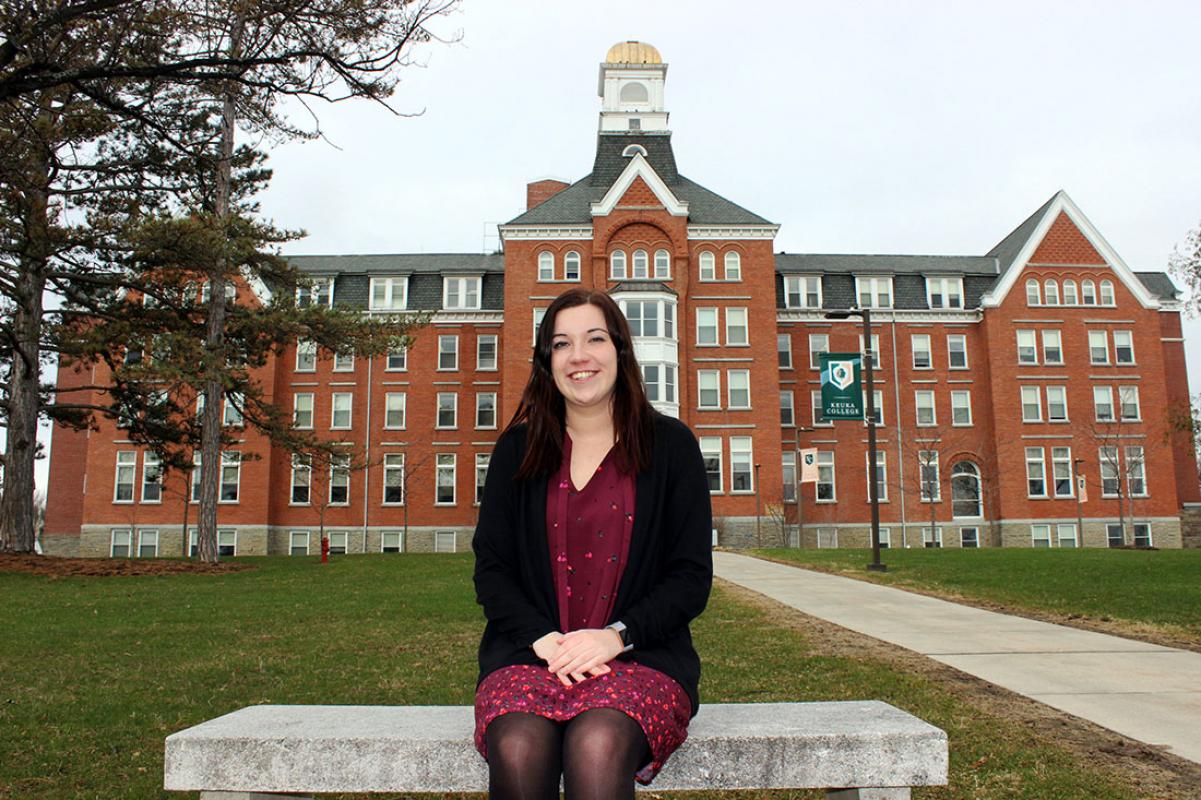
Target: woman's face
[(583, 358)]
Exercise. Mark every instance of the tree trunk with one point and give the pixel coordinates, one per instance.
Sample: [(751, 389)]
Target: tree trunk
[(214, 396)]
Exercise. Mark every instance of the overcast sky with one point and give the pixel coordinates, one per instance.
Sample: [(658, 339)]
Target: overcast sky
[(867, 127)]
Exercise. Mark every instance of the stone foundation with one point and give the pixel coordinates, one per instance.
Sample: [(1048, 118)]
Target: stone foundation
[(1190, 525), (1165, 532)]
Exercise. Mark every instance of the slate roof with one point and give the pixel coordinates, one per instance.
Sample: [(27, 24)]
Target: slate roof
[(1159, 284), (908, 276), (1006, 251), (573, 205), (352, 282)]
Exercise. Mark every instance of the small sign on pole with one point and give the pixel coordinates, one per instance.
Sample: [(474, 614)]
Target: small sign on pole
[(842, 386)]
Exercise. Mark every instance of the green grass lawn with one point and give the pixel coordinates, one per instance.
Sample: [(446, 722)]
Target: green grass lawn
[(97, 671), (1150, 587)]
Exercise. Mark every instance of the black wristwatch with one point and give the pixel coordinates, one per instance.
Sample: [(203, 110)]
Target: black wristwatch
[(624, 633)]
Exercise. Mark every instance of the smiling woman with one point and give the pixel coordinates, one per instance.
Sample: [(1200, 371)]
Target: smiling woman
[(592, 558)]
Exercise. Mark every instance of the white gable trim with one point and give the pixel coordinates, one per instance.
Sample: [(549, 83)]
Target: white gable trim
[(1063, 203), (639, 167)]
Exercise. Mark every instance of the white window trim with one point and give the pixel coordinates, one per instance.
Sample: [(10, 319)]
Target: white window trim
[(495, 411), (730, 390), (463, 281), (453, 466), (746, 326), (479, 340), (966, 360), (333, 411), (448, 337), (404, 411), (391, 281), (438, 411)]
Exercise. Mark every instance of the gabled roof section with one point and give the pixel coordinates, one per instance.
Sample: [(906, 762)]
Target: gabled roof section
[(639, 167), (1015, 250)]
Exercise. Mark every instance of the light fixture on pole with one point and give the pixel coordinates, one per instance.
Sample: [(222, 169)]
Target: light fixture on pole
[(870, 396)]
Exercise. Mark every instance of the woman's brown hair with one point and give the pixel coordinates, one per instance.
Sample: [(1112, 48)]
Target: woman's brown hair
[(542, 408)]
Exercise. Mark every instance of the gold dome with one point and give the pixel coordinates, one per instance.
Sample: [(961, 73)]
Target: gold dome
[(633, 53)]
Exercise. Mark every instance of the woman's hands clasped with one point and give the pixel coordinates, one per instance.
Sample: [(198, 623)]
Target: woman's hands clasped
[(578, 655)]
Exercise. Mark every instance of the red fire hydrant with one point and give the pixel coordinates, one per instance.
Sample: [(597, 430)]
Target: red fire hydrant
[(324, 549)]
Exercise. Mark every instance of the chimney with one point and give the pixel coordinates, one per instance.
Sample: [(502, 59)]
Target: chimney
[(540, 191)]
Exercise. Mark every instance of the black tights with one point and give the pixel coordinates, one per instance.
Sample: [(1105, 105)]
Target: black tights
[(597, 753)]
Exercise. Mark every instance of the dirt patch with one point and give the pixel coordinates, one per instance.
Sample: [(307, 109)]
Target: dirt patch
[(1151, 772), (53, 567)]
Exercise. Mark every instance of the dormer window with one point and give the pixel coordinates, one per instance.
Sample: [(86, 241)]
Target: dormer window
[(461, 293), (634, 150), (389, 294), (318, 292), (874, 292), (944, 292), (802, 291)]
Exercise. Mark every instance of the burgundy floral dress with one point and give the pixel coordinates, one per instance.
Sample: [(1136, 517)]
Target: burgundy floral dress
[(588, 533)]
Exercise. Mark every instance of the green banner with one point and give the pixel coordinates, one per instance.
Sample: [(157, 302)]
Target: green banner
[(842, 388)]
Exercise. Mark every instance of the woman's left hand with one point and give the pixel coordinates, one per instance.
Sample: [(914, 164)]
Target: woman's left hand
[(584, 652)]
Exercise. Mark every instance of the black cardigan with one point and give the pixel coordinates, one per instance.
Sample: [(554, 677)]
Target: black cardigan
[(668, 573)]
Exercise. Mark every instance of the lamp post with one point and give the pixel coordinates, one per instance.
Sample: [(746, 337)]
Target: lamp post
[(873, 490), (1076, 476), (758, 494)]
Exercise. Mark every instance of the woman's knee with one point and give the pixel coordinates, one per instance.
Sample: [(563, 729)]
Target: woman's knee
[(518, 738)]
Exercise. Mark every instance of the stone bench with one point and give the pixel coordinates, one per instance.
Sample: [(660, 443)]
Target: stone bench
[(856, 751)]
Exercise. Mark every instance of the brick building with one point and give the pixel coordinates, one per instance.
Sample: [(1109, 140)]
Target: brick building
[(1002, 378)]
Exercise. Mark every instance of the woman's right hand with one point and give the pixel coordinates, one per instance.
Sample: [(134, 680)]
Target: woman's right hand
[(548, 648)]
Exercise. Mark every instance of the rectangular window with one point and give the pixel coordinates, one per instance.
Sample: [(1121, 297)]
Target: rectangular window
[(231, 412), (152, 478), (932, 537), (340, 408), (1128, 403), (1107, 458), (878, 407), (708, 384), (539, 315), (195, 478), (802, 291), (337, 543), (711, 453), (784, 350), (394, 479), (398, 360), (339, 481), (874, 292), (302, 410), (738, 388), (885, 538), (920, 343), (444, 480), (1052, 347), (961, 408), (1065, 535), (741, 458), (1103, 403), (1036, 473), (317, 292), (944, 292), (818, 343), (389, 294), (298, 543), (302, 479), (306, 356), (819, 418), (1136, 471), (231, 476), (127, 463), (1027, 350), (1142, 534), (1123, 347), (395, 405), (461, 293), (824, 488), (485, 410), (957, 351), (787, 409), (148, 543), (969, 537), (1032, 406), (343, 362), (1098, 347), (481, 475), (927, 463), (1040, 535), (881, 474), (1061, 472), (706, 326), (874, 353), (788, 476), (120, 546), (1057, 404), (448, 353), (736, 327), (445, 541), (391, 542), (448, 410), (1114, 535), (485, 353), (923, 399), (827, 538)]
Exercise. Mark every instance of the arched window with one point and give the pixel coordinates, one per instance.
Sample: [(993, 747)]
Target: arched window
[(708, 265), (1033, 297), (966, 499), (1088, 293), (733, 266), (617, 265), (1107, 293), (1069, 292), (662, 264), (1051, 292), (635, 93), (546, 266), (633, 150), (571, 266), (641, 265)]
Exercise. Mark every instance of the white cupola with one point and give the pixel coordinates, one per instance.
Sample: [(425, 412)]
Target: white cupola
[(631, 89)]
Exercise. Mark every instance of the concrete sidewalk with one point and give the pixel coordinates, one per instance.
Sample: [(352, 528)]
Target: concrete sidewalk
[(1144, 691)]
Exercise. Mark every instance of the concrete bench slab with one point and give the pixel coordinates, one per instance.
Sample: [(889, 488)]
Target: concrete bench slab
[(302, 750)]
